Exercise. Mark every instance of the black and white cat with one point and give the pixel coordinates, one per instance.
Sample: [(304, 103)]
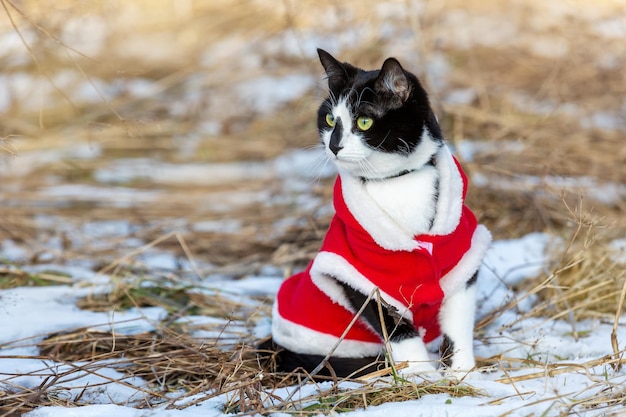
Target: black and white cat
[(402, 247)]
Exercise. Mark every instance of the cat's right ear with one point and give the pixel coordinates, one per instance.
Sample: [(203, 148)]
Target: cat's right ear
[(337, 73)]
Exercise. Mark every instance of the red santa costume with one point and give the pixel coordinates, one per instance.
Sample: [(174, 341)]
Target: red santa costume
[(367, 248)]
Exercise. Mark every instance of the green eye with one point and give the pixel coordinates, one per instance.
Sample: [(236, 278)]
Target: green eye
[(364, 123), (330, 120)]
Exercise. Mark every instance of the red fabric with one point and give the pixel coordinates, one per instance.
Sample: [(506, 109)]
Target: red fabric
[(411, 277)]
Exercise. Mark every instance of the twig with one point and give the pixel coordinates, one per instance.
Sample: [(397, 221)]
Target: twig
[(136, 252), (614, 342), (185, 247)]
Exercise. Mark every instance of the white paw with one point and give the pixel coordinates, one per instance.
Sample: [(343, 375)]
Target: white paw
[(411, 357), (459, 375), (462, 367), (423, 369), (462, 361)]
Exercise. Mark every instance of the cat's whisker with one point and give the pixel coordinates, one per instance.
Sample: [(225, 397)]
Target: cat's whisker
[(406, 146), (383, 141), (320, 160), (360, 99), (318, 164), (335, 99), (368, 102), (354, 93), (368, 168), (313, 147)]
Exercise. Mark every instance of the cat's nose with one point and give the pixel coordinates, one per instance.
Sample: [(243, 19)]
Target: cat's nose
[(334, 146), (335, 138)]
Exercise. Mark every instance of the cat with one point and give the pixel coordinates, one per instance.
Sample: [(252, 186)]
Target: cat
[(402, 250)]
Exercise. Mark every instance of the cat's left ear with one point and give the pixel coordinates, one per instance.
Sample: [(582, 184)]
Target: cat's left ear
[(392, 79)]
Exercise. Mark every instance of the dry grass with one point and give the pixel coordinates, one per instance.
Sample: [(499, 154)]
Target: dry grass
[(167, 361), (587, 80), (15, 277), (170, 362)]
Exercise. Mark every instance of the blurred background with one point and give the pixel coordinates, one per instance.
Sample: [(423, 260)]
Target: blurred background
[(122, 122)]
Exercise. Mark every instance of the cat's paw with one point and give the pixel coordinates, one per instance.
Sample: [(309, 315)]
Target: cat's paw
[(422, 369), (460, 375)]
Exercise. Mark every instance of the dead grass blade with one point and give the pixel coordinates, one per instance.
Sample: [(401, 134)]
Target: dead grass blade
[(614, 342), (553, 369), (164, 359), (15, 277)]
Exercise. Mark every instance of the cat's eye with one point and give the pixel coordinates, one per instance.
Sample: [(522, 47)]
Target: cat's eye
[(364, 123), (330, 119)]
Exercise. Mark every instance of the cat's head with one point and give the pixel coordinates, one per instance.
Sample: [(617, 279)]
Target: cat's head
[(376, 124)]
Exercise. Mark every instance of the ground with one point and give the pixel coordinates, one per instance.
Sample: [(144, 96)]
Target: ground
[(160, 175)]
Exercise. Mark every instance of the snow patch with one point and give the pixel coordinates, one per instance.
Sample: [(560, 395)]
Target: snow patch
[(607, 193), (267, 93), (618, 246)]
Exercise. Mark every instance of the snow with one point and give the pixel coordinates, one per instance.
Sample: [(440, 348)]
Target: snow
[(604, 192), (265, 94), (462, 96), (28, 314), (131, 169), (117, 196), (27, 162), (614, 27), (104, 410), (467, 149), (618, 247), (89, 42), (32, 312), (221, 226)]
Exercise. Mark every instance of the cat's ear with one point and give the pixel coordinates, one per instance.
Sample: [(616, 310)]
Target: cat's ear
[(338, 73), (392, 79)]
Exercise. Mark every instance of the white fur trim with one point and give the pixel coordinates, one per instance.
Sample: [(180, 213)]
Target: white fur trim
[(458, 276), (450, 199), (329, 267), (301, 339)]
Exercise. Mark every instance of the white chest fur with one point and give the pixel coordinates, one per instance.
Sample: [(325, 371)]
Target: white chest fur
[(410, 200)]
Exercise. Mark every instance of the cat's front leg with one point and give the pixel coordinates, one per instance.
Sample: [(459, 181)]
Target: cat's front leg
[(456, 319), (405, 342), (412, 350)]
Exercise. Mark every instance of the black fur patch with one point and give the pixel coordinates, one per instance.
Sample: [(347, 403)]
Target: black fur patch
[(335, 137), (435, 200), (446, 350), (288, 361), (472, 281), (396, 326)]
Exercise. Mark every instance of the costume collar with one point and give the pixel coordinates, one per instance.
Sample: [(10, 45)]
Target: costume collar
[(400, 174)]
